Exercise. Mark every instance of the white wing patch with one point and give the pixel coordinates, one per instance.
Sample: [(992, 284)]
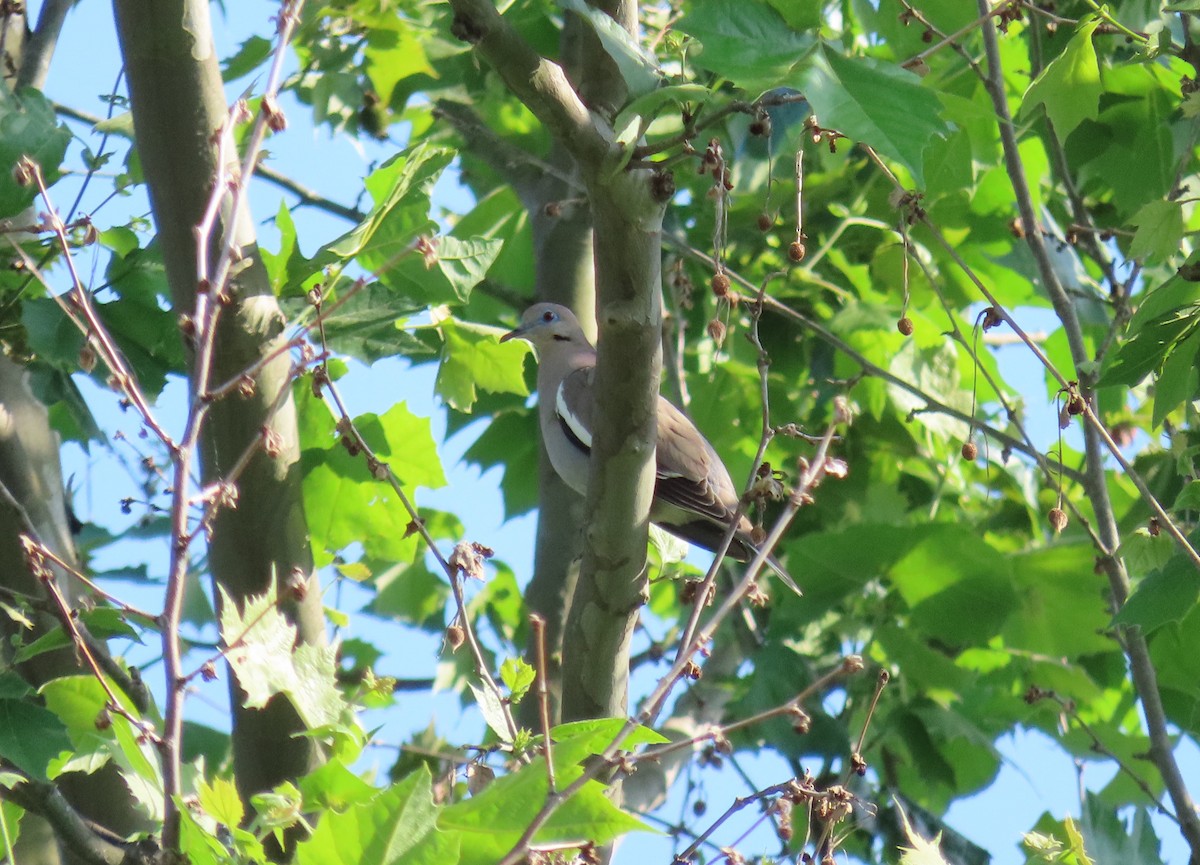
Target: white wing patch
[(573, 423)]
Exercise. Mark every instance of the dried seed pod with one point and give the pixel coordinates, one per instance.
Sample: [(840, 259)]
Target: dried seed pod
[(797, 250), (765, 222), (970, 450), (720, 284), (905, 325), (1058, 519)]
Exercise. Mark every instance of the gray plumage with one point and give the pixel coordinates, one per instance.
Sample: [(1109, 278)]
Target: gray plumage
[(694, 497)]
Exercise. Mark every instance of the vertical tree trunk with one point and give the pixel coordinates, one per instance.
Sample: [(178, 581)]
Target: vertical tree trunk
[(33, 502)]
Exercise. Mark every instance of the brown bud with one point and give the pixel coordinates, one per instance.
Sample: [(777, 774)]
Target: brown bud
[(1058, 519), (765, 222), (22, 173), (970, 450), (208, 672), (797, 250), (905, 325), (103, 720), (297, 584), (761, 126), (87, 358), (717, 331), (276, 119), (1075, 405), (455, 637)]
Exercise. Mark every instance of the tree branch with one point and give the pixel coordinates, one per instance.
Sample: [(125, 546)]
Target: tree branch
[(39, 46), (1095, 483), (87, 841), (536, 81)]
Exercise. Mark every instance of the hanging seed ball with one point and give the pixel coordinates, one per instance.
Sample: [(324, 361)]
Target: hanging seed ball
[(1058, 519), (797, 250), (970, 450), (720, 284), (905, 325), (765, 222)]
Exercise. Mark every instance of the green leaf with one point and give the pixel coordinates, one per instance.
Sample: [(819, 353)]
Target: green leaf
[(103, 623), (1188, 498), (1111, 839), (877, 103), (491, 822), (335, 787), (648, 106), (399, 825), (267, 661), (1159, 231), (1059, 610), (472, 357), (369, 324), (745, 41), (28, 127), (411, 593), (1146, 350), (637, 65), (30, 736), (492, 709), (252, 53), (959, 588), (395, 53), (1177, 381), (799, 16), (517, 677), (1069, 87), (920, 850), (1164, 596), (511, 442), (345, 504), (405, 442), (383, 242), (220, 801)]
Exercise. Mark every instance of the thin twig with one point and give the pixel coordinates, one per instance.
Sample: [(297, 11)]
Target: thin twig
[(538, 624), (66, 617)]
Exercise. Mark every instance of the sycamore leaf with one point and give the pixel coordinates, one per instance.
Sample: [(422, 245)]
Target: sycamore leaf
[(1159, 231), (267, 661), (845, 95), (517, 677), (220, 801), (472, 358), (1069, 87), (493, 712), (637, 65), (921, 851)]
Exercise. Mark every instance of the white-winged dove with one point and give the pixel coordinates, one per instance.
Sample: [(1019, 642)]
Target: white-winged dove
[(694, 497)]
